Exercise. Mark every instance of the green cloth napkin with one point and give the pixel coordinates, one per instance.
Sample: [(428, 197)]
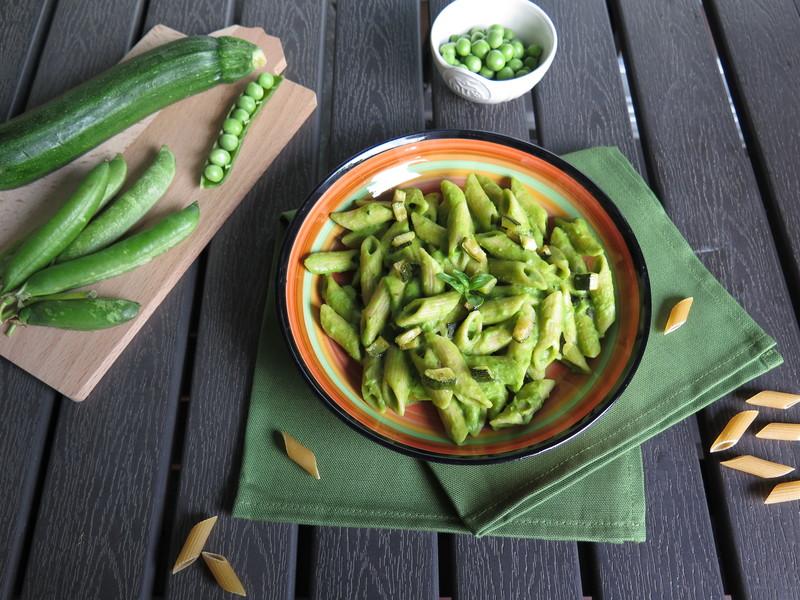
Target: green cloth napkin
[(590, 488)]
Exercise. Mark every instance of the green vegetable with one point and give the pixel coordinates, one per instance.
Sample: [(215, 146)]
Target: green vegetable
[(53, 237), (530, 62), (495, 60), (125, 211), (45, 138), (480, 48), (117, 171), (223, 154), (504, 73), (117, 259), (534, 50), (473, 63), (81, 315), (463, 46), (495, 39), (515, 64), (519, 49), (507, 50), (439, 379)]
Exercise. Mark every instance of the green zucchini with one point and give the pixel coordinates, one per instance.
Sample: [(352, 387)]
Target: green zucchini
[(442, 378), (49, 136)]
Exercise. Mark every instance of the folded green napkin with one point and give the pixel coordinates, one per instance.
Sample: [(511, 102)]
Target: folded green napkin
[(590, 488)]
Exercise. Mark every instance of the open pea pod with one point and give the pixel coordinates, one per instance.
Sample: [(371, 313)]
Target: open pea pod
[(237, 121)]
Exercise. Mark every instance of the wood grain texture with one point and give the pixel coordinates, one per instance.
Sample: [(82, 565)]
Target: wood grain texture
[(374, 564), (375, 95), (575, 112), (498, 567), (233, 297), (64, 360), (759, 40), (21, 31), (511, 568), (706, 182), (99, 518)]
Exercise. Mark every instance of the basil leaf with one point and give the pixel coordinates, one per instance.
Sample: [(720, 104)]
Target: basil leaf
[(480, 280), (451, 281), (462, 278), (475, 300)]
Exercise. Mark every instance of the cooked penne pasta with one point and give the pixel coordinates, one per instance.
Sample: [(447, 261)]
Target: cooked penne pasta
[(193, 546), (463, 298), (780, 431), (223, 573), (784, 492), (734, 430), (774, 399), (678, 315), (301, 455), (757, 466), (373, 213)]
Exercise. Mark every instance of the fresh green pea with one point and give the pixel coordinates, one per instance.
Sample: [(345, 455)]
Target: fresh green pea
[(522, 72), (476, 29), (255, 91), (507, 50), (463, 46), (240, 115), (447, 48), (266, 80), (534, 50), (480, 48), (495, 39), (508, 34), (83, 314), (454, 38), (246, 103), (478, 35), (473, 63), (519, 48), (515, 64), (232, 126), (451, 59), (486, 72), (497, 27), (213, 173), (495, 60), (228, 142), (219, 157), (531, 62), (505, 73)]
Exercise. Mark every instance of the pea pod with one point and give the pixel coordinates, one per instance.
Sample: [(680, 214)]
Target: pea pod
[(125, 211), (53, 237), (117, 259), (87, 314), (117, 171), (237, 121)]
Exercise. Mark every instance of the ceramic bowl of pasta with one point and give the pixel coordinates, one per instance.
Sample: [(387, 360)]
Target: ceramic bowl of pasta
[(463, 297)]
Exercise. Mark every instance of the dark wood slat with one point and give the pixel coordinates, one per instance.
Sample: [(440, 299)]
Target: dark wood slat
[(100, 512), (21, 31), (27, 403), (760, 44), (376, 94), (511, 568), (580, 103), (264, 554), (706, 182), (498, 567)]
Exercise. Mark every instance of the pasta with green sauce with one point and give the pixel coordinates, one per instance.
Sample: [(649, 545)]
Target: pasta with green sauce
[(464, 297)]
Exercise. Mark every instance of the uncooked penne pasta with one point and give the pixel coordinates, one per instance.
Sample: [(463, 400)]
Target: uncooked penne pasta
[(301, 455), (772, 399), (678, 315), (223, 572), (780, 431), (784, 492), (734, 430), (194, 543), (757, 466)]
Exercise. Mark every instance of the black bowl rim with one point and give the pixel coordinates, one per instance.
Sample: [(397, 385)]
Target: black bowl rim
[(539, 152)]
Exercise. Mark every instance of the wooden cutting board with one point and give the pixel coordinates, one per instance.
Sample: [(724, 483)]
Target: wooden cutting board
[(73, 362)]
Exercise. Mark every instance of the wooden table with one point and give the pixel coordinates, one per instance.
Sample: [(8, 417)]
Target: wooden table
[(97, 497)]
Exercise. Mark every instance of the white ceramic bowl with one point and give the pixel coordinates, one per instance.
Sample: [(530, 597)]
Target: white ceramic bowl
[(528, 21)]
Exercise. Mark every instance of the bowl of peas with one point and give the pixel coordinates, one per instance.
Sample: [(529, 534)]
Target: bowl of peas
[(492, 52)]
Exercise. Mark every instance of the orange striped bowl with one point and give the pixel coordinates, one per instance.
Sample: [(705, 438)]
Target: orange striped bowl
[(423, 160)]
